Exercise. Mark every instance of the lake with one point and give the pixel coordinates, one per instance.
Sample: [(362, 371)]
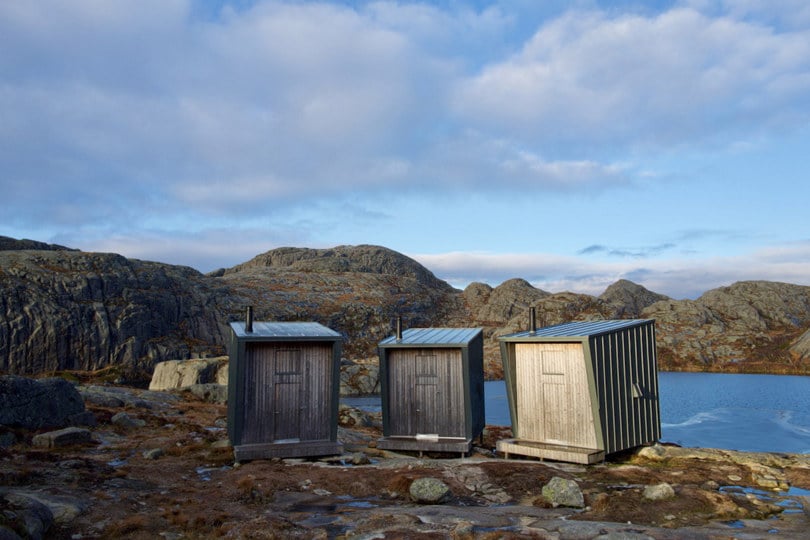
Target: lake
[(754, 413)]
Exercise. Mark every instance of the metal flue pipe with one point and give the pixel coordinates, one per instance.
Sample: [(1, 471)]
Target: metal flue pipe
[(399, 328), (532, 320), (249, 320)]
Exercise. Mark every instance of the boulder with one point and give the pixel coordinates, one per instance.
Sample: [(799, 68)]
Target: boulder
[(563, 492), (35, 404), (31, 518), (177, 374), (429, 491)]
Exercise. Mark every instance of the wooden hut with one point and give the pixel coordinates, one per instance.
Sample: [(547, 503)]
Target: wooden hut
[(432, 389), (283, 389), (581, 390)]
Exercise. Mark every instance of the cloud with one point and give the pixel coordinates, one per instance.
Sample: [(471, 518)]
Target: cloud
[(672, 276), (146, 127), (635, 253), (631, 80)]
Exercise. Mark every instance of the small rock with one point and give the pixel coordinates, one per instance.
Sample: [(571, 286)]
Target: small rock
[(122, 419), (359, 458), (734, 477), (429, 491), (653, 453), (464, 529), (563, 492), (659, 492), (62, 437), (221, 443), (153, 453)]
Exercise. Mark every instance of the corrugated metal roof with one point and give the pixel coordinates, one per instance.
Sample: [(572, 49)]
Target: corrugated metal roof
[(285, 330), (433, 337), (575, 329)]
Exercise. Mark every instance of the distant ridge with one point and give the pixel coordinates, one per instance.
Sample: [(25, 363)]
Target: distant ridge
[(63, 309), (11, 244)]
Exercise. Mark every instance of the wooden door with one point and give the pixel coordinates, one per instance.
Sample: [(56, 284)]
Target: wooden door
[(287, 395), (553, 394), (426, 393)]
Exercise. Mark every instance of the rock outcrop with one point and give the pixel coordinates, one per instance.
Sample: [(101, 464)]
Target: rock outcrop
[(70, 310), (747, 326)]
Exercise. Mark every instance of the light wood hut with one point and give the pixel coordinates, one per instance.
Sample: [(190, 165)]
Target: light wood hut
[(581, 390), (432, 389), (283, 389)]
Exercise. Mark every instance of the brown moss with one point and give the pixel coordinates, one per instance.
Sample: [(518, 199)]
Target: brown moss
[(127, 526)]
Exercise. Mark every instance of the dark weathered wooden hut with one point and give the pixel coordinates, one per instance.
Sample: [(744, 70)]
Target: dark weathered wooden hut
[(581, 390), (283, 389), (432, 389)]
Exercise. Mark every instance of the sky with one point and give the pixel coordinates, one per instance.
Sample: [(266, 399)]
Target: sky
[(571, 144)]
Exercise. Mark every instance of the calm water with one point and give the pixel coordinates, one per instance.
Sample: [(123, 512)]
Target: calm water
[(756, 413)]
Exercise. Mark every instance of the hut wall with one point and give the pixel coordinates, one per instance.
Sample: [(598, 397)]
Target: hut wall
[(474, 405), (286, 392), (625, 370)]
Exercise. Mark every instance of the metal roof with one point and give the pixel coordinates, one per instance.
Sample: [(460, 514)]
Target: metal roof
[(286, 330), (441, 337), (576, 330)]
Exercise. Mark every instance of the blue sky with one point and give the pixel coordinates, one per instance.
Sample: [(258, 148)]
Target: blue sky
[(568, 143)]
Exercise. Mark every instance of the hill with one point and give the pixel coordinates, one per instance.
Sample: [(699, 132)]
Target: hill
[(64, 309)]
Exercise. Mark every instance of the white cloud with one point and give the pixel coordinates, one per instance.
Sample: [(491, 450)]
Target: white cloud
[(628, 80)]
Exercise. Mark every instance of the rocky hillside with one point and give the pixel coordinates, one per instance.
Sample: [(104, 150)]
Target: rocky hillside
[(751, 326), (356, 290), (70, 310)]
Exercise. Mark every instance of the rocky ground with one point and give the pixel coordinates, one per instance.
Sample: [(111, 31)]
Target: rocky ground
[(157, 464)]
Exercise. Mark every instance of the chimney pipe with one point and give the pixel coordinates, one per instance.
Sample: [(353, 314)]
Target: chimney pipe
[(532, 320), (249, 320), (399, 328)]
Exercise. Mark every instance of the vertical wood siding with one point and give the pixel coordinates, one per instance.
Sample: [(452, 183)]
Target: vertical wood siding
[(553, 401), (426, 392), (287, 392)]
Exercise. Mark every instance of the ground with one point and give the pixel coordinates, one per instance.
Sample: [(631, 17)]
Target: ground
[(190, 487)]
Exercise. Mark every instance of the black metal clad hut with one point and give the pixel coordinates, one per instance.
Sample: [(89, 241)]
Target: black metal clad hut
[(582, 390), (432, 389), (283, 389)]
